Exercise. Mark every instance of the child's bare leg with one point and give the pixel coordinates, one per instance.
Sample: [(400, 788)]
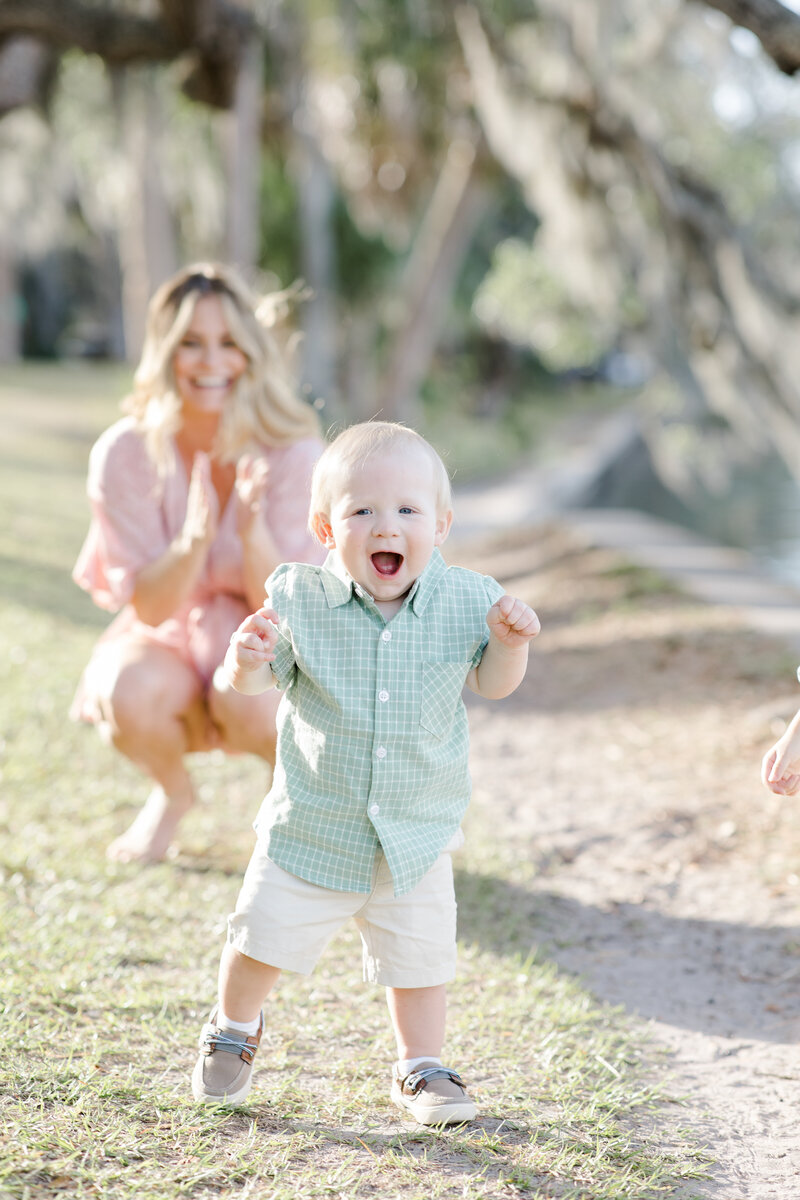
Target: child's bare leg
[(229, 1041), (418, 1019), (244, 984), (430, 1092)]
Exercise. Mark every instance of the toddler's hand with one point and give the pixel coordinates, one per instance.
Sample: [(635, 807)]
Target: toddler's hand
[(253, 643), (512, 622), (779, 772)]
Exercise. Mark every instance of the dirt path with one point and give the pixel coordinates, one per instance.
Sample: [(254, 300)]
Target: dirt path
[(627, 768)]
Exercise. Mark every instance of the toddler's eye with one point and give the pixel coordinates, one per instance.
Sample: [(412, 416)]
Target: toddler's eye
[(406, 509)]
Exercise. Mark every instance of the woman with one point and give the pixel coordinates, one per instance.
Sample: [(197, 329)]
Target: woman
[(197, 494)]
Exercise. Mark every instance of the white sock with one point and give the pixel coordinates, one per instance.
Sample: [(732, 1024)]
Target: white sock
[(249, 1027), (406, 1065)]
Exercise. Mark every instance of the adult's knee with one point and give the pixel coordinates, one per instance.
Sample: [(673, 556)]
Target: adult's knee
[(246, 723), (142, 699)]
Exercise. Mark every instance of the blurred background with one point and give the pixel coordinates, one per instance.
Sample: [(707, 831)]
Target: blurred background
[(529, 229)]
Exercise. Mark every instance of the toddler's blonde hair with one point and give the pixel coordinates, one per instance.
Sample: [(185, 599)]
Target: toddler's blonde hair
[(355, 446)]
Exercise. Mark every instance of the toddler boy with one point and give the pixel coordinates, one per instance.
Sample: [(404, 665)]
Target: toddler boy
[(372, 650)]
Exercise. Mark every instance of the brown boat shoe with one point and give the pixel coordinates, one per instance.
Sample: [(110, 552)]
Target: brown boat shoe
[(222, 1073), (433, 1094)]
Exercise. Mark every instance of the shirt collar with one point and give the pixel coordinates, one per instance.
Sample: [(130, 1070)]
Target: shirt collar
[(339, 587)]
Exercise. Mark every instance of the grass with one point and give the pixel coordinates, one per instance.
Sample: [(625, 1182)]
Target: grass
[(106, 971)]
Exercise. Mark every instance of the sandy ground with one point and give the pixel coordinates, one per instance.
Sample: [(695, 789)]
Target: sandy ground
[(627, 768)]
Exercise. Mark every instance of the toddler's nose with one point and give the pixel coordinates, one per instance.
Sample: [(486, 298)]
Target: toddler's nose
[(385, 525)]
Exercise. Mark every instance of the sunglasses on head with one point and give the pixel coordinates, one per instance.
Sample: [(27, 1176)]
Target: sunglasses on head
[(205, 285)]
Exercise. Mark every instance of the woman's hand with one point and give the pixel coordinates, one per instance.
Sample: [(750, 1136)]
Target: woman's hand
[(252, 475), (202, 506), (162, 586)]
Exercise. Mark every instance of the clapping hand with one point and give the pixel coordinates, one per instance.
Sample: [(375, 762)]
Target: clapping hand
[(202, 505), (251, 489)]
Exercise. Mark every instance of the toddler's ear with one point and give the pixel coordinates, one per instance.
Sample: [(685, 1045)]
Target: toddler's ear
[(443, 523), (321, 528)]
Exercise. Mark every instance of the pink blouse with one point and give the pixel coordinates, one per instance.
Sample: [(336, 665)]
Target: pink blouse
[(135, 517)]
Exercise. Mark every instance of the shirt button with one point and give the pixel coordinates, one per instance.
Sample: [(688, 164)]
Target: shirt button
[(381, 752), (387, 635), (384, 696), (375, 809)]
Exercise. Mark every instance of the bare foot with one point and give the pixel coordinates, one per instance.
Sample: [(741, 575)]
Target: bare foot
[(148, 838)]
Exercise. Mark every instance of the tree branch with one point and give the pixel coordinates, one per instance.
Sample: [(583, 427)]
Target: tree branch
[(720, 326), (776, 27), (210, 33), (119, 38)]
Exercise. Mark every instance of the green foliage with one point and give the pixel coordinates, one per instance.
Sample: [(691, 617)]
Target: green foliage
[(364, 262), (523, 300)]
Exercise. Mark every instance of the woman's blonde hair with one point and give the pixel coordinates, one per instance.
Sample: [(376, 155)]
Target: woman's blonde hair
[(356, 445), (265, 407)]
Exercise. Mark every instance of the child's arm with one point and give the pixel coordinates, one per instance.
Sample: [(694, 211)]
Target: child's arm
[(780, 769), (512, 625), (247, 661)]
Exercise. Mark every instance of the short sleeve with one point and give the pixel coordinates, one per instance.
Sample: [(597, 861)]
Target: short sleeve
[(493, 592), (288, 493), (279, 590), (127, 529)]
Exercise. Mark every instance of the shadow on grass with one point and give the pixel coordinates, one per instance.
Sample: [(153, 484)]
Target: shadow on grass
[(449, 1147), (700, 665), (47, 589), (715, 977)]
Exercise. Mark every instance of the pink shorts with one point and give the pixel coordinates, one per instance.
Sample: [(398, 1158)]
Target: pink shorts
[(408, 941)]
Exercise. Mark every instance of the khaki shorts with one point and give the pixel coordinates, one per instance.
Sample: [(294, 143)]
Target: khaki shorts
[(408, 941)]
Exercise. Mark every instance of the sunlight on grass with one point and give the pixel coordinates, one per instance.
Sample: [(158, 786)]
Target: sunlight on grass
[(106, 971)]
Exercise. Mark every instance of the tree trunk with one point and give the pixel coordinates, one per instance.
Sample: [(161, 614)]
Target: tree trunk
[(148, 250), (316, 195), (458, 203), (360, 382), (9, 302), (243, 160), (26, 71)]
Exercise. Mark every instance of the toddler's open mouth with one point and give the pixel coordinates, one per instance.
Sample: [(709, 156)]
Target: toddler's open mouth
[(387, 563)]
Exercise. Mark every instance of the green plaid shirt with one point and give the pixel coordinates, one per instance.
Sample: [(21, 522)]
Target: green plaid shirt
[(372, 730)]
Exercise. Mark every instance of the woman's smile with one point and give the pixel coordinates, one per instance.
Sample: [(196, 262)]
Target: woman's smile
[(207, 362)]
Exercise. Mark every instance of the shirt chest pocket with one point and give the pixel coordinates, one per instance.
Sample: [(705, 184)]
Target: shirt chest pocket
[(442, 684)]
